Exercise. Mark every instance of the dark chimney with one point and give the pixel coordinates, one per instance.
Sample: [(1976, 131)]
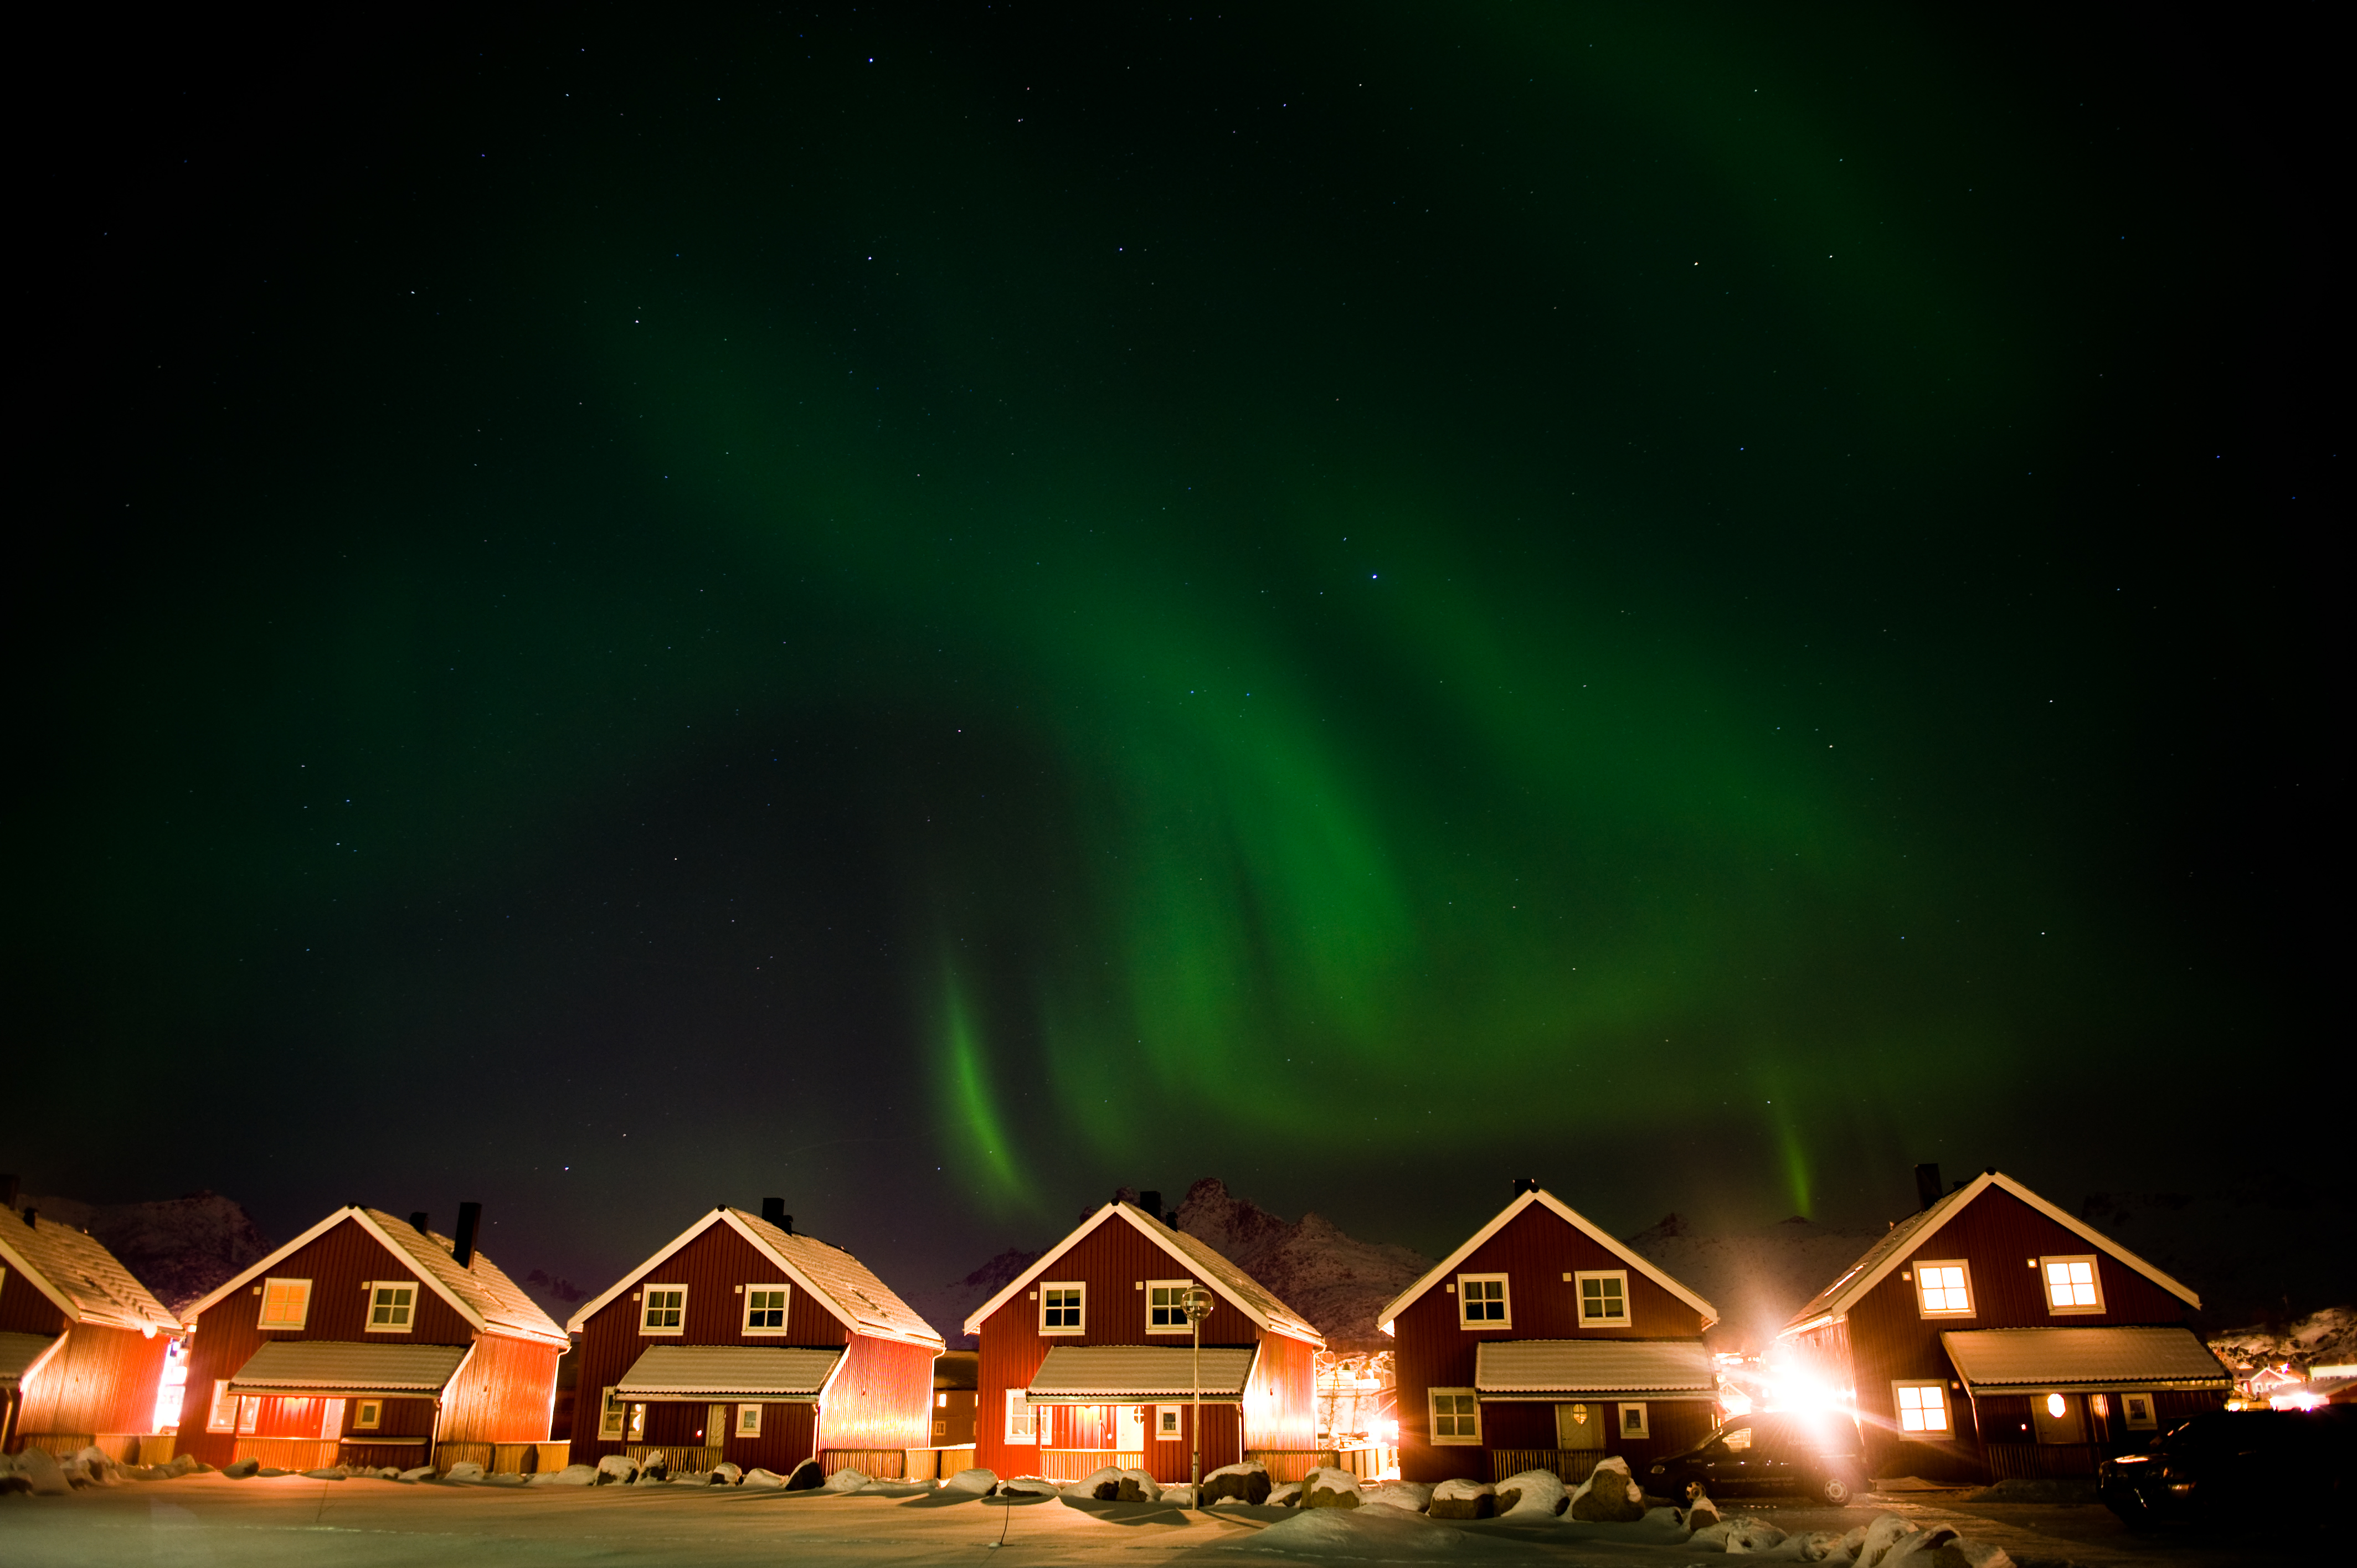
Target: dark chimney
[(773, 1209), (419, 1223), (7, 1192), (32, 1217), (1171, 1220), (471, 1219), (1525, 1184), (1150, 1201), (1927, 1185)]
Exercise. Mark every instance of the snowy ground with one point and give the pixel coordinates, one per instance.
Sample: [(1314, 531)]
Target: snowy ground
[(210, 1522)]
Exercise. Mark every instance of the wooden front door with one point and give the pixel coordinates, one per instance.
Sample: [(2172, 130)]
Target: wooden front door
[(716, 1425), (1579, 1426), (1130, 1429), (2058, 1418)]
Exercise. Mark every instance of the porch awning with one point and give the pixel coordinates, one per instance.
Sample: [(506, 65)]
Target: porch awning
[(1555, 1368), (2068, 1360), (338, 1369), (1140, 1374), (728, 1372), (20, 1353)]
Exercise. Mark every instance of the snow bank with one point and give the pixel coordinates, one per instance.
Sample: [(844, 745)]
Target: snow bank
[(39, 1472), (1139, 1487), (1330, 1488), (328, 1472), (1609, 1495), (1247, 1483), (1286, 1496), (726, 1474), (1740, 1534), (1031, 1486), (846, 1480), (977, 1480), (1103, 1484), (1413, 1497), (239, 1469), (616, 1468), (1533, 1494), (1461, 1498), (1179, 1494), (92, 1466), (1384, 1534), (421, 1473), (571, 1475), (464, 1470), (769, 1480)]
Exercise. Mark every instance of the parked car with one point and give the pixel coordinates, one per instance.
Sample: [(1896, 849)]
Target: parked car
[(1783, 1451), (2236, 1460)]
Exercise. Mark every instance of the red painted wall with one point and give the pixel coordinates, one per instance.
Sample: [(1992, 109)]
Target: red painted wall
[(103, 1379), (1535, 1251), (25, 1310), (881, 1398), (501, 1395)]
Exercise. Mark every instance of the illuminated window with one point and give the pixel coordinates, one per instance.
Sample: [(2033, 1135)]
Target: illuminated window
[(1482, 1301), (1604, 1299), (663, 1309), (765, 1309), (2136, 1410), (1944, 1290), (249, 1412), (1061, 1308), (1165, 1421), (1166, 1306), (1456, 1417), (748, 1420), (1923, 1409), (393, 1305), (2072, 1284), (637, 1424), (1632, 1422), (612, 1416), (286, 1303), (1022, 1421), (172, 1388), (367, 1415), (941, 1402), (224, 1411)]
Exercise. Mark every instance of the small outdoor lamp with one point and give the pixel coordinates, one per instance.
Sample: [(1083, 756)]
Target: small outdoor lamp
[(1196, 1304)]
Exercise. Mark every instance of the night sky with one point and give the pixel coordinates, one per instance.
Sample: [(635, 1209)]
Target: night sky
[(935, 611)]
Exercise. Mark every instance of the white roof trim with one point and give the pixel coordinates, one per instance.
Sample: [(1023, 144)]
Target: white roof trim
[(800, 1281), (1857, 1288), (1577, 1221), (367, 1222), (1194, 1267)]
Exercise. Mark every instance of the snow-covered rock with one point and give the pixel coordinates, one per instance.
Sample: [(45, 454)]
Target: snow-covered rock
[(806, 1477), (1383, 1535), (571, 1475), (417, 1473), (1031, 1486), (97, 1465), (616, 1468), (1413, 1497), (1609, 1495), (1533, 1494), (270, 1472), (1330, 1488), (328, 1472), (767, 1480), (726, 1474), (1179, 1494), (846, 1480), (1287, 1496), (239, 1469), (42, 1475), (1875, 1537), (979, 1481), (1247, 1483), (1702, 1513), (655, 1465), (464, 1470), (1139, 1487), (1737, 1535), (1459, 1497)]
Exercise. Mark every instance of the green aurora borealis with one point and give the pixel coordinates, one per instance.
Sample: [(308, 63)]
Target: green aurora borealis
[(940, 610)]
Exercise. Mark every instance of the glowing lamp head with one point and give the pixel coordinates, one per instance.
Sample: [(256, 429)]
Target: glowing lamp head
[(2054, 1406)]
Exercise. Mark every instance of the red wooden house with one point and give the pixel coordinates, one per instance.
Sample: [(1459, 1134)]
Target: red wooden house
[(1087, 1359), (369, 1340), (1542, 1343), (81, 1342), (742, 1340), (1992, 1335)]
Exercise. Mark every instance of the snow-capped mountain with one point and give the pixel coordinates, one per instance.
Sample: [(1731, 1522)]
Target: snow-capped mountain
[(945, 1306), (178, 1248), (1334, 1280)]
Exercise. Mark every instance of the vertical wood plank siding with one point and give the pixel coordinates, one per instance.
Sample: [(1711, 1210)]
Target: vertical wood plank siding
[(102, 1379), (1535, 1251), (1888, 1336), (25, 1310), (1112, 1260), (882, 1398), (502, 1393)]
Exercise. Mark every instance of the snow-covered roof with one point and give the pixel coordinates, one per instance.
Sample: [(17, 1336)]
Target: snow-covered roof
[(79, 1276), (1569, 1216), (22, 1354), (730, 1371), (1140, 1374), (485, 1297), (341, 1368), (1543, 1369), (834, 1279), (1242, 1291), (1903, 1239), (2038, 1360)]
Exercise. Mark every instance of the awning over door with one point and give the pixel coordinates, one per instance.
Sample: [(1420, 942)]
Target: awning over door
[(20, 1353), (1140, 1374), (728, 1372), (1563, 1369), (2064, 1360), (338, 1369)]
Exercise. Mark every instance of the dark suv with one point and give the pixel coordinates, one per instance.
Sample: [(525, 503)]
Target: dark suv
[(2228, 1460), (1783, 1451)]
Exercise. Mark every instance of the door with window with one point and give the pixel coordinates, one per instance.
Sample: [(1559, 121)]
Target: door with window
[(2058, 1418), (1579, 1426), (1129, 1428)]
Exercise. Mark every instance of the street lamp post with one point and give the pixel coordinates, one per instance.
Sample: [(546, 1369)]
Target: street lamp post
[(1196, 1304)]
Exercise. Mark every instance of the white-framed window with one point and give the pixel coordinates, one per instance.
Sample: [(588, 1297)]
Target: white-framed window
[(367, 1415), (765, 1308), (393, 1305), (663, 1309), (1063, 1308), (2136, 1408), (1167, 1424), (1482, 1301), (1166, 1306), (1456, 1417), (249, 1413), (223, 1415), (635, 1429), (611, 1415), (748, 1420), (1022, 1421), (1603, 1297), (286, 1303), (1632, 1421), (2073, 1284), (1944, 1289), (1922, 1407)]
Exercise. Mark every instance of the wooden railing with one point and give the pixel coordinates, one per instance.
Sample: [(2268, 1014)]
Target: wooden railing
[(2026, 1461), (680, 1456), (1571, 1465), (1074, 1463), (938, 1463), (1294, 1463), (287, 1452)]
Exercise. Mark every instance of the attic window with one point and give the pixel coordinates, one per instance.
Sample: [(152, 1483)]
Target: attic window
[(1944, 1289), (1166, 1306), (1604, 1299), (393, 1305), (1482, 1301), (663, 1310), (2072, 1284), (1063, 1307), (765, 1309), (286, 1303)]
